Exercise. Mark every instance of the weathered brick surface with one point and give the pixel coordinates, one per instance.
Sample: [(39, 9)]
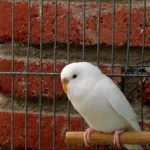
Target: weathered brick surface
[(34, 80), (33, 130), (48, 81), (146, 90), (21, 26), (21, 23)]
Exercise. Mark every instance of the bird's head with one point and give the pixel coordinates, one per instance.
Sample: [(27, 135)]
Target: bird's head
[(76, 77)]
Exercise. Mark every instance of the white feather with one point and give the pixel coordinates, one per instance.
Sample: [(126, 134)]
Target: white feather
[(119, 102)]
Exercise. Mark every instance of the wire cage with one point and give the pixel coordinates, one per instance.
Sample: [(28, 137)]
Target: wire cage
[(46, 35)]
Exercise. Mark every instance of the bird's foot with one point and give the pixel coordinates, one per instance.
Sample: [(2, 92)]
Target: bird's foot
[(86, 136), (116, 137)]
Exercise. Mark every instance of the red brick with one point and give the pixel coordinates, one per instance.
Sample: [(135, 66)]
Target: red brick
[(145, 97), (76, 24), (34, 80), (33, 130)]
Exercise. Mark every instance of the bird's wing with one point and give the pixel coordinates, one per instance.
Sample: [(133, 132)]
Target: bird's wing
[(119, 102)]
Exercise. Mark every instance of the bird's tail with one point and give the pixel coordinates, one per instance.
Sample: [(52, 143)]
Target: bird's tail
[(133, 147)]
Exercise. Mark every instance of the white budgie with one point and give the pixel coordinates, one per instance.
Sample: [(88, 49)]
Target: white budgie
[(99, 101)]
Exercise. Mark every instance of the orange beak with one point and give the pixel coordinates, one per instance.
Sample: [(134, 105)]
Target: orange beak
[(65, 87), (64, 84)]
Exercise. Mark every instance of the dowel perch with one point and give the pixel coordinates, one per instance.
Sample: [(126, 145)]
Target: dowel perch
[(106, 139)]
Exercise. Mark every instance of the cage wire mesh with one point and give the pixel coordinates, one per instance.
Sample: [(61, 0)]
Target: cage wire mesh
[(131, 71)]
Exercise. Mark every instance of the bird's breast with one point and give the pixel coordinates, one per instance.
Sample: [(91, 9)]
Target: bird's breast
[(100, 115)]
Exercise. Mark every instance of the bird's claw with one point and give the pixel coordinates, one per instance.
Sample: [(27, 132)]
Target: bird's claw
[(116, 137), (86, 136)]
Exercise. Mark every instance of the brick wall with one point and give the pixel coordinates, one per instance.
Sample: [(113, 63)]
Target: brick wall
[(76, 30)]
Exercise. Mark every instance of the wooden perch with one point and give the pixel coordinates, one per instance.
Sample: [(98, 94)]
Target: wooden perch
[(106, 139)]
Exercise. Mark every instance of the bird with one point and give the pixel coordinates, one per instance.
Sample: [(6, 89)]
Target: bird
[(99, 101)]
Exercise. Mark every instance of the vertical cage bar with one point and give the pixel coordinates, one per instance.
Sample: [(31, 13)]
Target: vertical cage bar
[(113, 35), (98, 31), (54, 98), (141, 87), (83, 53), (68, 31), (143, 34), (40, 89), (68, 57), (142, 60), (27, 63), (124, 79), (98, 39), (83, 48), (129, 32), (12, 83)]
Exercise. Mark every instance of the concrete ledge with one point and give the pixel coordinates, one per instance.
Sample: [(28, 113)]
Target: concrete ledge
[(76, 23)]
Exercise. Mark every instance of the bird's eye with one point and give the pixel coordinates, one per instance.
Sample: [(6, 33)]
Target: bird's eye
[(74, 76)]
